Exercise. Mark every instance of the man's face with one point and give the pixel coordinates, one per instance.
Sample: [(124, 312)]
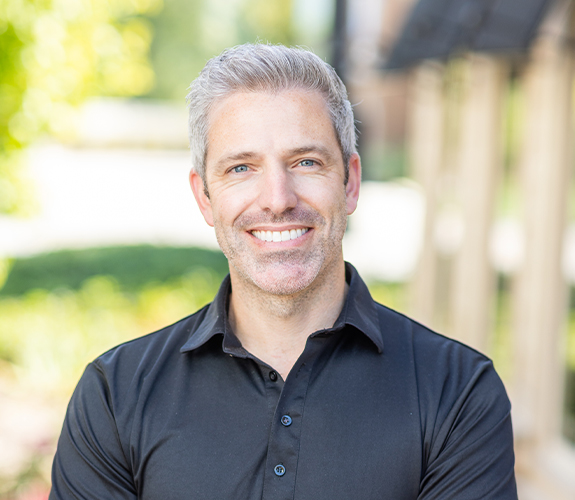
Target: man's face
[(277, 199)]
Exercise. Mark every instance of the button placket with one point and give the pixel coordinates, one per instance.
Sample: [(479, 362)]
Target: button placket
[(285, 433)]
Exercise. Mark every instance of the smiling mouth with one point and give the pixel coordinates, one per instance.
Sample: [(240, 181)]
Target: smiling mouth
[(277, 236)]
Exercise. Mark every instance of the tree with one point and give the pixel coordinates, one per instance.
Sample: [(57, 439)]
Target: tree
[(54, 54)]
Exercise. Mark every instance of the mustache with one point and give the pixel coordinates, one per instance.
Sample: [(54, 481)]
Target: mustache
[(301, 216)]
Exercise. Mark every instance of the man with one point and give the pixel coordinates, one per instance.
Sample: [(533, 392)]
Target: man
[(293, 383)]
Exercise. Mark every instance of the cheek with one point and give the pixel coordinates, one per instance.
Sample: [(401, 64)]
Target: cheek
[(228, 207), (324, 197)]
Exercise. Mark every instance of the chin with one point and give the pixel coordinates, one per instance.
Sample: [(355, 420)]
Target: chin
[(283, 279), (283, 287)]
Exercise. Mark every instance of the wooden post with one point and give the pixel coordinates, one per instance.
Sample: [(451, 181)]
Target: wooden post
[(540, 306), (479, 163), (426, 127)]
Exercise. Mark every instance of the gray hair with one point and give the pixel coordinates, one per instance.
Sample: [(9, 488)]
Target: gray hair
[(266, 68)]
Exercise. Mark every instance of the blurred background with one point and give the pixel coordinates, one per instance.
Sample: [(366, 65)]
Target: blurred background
[(466, 218)]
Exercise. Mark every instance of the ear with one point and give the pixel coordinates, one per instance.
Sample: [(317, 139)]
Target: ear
[(353, 182), (202, 199)]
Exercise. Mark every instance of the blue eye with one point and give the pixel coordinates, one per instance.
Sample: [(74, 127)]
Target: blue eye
[(239, 169), (307, 163)]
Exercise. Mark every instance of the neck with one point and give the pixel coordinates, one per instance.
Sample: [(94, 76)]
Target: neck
[(275, 328)]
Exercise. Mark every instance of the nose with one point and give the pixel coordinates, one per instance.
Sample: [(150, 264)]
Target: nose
[(277, 192)]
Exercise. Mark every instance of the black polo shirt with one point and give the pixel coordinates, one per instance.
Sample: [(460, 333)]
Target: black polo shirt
[(377, 407)]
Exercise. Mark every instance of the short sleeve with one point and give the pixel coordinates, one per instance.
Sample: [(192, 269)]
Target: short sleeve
[(471, 455), (90, 462)]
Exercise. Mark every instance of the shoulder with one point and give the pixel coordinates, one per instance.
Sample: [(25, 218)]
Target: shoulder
[(432, 352), (464, 411), (447, 373), (148, 348), (459, 394), (121, 371)]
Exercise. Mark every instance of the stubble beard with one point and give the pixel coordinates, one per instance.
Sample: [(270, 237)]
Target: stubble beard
[(282, 272)]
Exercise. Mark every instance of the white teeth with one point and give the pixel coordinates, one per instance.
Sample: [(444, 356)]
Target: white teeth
[(277, 236)]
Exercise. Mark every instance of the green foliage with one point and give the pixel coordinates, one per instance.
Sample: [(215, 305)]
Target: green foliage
[(176, 52), (132, 267), (569, 413), (268, 20), (570, 351), (55, 53), (383, 163), (31, 482), (392, 295), (50, 332), (48, 337), (189, 32)]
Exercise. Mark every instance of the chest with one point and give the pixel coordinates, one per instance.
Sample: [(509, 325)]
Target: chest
[(331, 431)]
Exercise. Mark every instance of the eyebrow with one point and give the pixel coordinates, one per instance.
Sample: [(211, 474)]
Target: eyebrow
[(326, 152), (249, 155), (232, 158)]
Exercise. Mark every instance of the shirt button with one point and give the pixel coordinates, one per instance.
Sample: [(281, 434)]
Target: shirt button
[(286, 420), (273, 376), (280, 470)]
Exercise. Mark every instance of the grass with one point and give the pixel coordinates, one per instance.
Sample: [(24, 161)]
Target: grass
[(132, 267)]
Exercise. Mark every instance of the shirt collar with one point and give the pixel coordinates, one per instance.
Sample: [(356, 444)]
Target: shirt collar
[(214, 321), (359, 311)]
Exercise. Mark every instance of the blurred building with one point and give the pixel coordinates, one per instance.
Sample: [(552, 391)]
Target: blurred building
[(479, 102)]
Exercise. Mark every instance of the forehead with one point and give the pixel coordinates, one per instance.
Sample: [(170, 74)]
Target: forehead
[(269, 122), (256, 101)]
